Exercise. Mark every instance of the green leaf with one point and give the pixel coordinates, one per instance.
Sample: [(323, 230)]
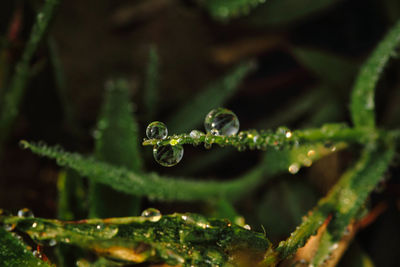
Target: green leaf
[(213, 96), (184, 239), (13, 253), (116, 143), (151, 87), (15, 92), (225, 9), (362, 105)]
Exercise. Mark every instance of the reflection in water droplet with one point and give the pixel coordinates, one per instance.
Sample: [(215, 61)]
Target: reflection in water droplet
[(26, 213), (247, 227), (221, 121), (156, 130), (168, 155), (195, 134), (151, 214), (294, 168)]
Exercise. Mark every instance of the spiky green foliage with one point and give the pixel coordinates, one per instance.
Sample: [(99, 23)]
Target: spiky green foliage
[(178, 239), (163, 187), (362, 98), (342, 202), (16, 88), (211, 97), (116, 143), (14, 253)]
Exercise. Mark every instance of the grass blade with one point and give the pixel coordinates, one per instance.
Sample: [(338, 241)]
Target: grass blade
[(362, 105), (211, 97), (15, 92), (151, 86), (116, 143), (226, 9)]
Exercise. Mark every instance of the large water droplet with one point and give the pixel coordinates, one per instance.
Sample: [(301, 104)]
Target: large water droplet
[(26, 213), (157, 130), (152, 214), (168, 155), (221, 121)]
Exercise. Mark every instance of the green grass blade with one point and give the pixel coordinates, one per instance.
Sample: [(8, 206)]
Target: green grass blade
[(117, 142), (343, 201), (225, 9), (15, 92), (170, 188), (193, 113), (13, 253), (362, 105), (150, 94)]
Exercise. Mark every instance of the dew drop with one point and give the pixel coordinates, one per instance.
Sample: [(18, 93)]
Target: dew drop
[(152, 214), (9, 227), (247, 227), (26, 213), (221, 121), (195, 134), (311, 153), (157, 130), (168, 155), (294, 168)]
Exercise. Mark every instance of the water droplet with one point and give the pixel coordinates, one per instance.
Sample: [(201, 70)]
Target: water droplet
[(168, 155), (195, 134), (247, 227), (288, 134), (151, 214), (294, 168), (174, 142), (311, 153), (26, 213), (37, 254), (9, 227), (157, 130), (221, 121)]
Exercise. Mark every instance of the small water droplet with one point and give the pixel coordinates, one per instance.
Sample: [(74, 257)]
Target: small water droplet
[(9, 227), (151, 214), (221, 121), (26, 213), (157, 130), (247, 227), (195, 134), (174, 142), (37, 254), (288, 134), (294, 168), (311, 153), (168, 155)]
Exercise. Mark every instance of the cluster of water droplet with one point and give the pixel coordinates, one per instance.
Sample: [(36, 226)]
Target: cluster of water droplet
[(168, 155)]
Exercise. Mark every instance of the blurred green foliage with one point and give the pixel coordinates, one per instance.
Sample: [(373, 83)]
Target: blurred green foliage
[(305, 56)]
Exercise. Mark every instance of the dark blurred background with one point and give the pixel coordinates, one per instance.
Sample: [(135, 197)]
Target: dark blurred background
[(296, 84)]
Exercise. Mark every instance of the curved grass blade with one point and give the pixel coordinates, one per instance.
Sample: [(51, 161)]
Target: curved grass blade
[(342, 202), (170, 188), (362, 104), (15, 92), (192, 114), (150, 94)]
